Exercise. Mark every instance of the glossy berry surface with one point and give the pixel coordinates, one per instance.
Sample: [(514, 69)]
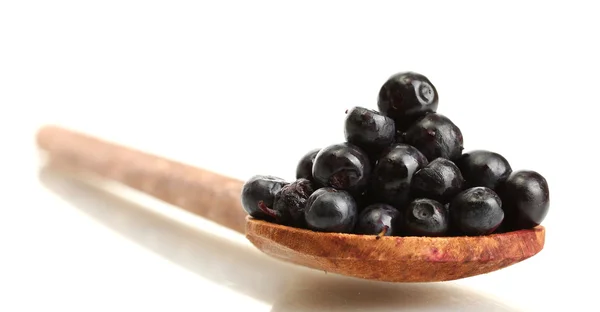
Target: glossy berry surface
[(440, 180), (526, 199), (392, 176), (476, 211), (378, 219), (290, 202), (331, 210), (343, 166), (401, 171), (369, 130), (407, 96), (425, 217), (304, 167), (436, 136), (484, 168), (260, 188)]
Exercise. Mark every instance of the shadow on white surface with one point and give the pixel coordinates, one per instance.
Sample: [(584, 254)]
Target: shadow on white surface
[(240, 267)]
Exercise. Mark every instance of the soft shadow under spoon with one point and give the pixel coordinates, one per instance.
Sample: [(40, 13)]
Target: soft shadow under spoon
[(216, 197)]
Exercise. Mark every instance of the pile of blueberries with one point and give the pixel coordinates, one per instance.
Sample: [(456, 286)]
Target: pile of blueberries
[(401, 172)]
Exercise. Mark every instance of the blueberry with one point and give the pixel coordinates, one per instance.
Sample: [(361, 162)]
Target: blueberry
[(290, 202), (331, 210), (343, 166), (484, 168), (425, 217), (407, 96), (304, 167), (369, 130), (260, 188), (526, 199), (378, 219), (392, 176), (476, 211), (440, 180), (436, 136)]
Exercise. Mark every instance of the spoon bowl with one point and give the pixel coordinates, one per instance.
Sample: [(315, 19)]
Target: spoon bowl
[(395, 258)]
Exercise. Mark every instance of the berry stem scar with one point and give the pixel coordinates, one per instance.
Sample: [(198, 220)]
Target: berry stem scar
[(383, 231)]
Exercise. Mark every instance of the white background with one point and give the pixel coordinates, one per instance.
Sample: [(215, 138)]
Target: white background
[(247, 87)]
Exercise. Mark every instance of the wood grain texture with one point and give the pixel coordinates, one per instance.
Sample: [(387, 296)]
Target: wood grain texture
[(198, 191), (396, 259)]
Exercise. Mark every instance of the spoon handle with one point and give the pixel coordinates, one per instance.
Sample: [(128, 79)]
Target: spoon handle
[(198, 191)]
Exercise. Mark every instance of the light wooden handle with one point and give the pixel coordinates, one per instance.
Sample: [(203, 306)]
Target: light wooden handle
[(198, 191)]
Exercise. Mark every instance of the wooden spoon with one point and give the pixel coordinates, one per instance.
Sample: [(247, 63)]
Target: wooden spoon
[(216, 197)]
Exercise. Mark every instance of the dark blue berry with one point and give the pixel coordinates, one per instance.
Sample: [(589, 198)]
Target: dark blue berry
[(476, 211), (304, 167), (369, 130), (378, 219), (436, 136), (440, 180), (290, 202), (260, 188), (484, 168), (526, 199), (425, 217), (343, 166), (392, 176), (407, 96), (331, 210)]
